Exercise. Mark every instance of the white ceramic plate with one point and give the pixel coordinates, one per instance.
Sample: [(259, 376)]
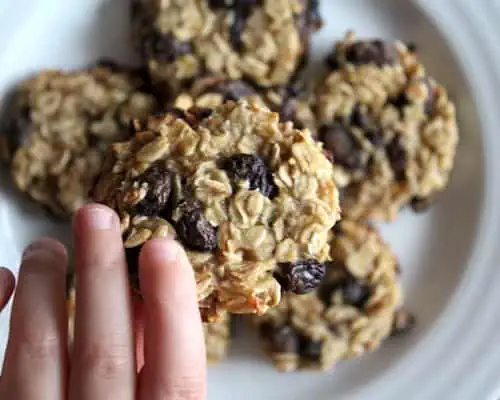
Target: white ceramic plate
[(450, 255)]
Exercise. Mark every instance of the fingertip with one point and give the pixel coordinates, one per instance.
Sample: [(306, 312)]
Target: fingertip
[(95, 216), (163, 250), (45, 252), (163, 261), (45, 244)]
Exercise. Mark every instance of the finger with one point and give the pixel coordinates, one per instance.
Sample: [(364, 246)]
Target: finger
[(103, 354), (7, 284), (36, 357), (174, 347)]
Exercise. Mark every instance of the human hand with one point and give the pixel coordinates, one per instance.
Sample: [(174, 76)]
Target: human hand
[(165, 359)]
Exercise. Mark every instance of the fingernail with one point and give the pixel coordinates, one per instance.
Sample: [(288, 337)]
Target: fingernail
[(43, 248), (166, 249), (100, 218)]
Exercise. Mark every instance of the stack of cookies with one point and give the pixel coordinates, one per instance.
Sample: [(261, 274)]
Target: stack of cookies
[(269, 183)]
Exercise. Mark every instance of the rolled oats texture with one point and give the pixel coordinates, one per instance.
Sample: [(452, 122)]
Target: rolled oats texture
[(292, 103), (349, 315), (249, 194), (266, 42), (61, 125), (390, 127)]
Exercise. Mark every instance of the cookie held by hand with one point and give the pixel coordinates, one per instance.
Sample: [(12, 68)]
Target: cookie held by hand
[(251, 199)]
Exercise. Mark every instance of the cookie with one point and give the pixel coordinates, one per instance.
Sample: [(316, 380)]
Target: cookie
[(356, 308), (263, 41), (251, 199), (291, 103), (60, 126), (217, 337), (217, 334), (390, 127)]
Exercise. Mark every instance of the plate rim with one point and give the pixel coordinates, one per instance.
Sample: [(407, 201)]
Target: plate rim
[(456, 379), (445, 14)]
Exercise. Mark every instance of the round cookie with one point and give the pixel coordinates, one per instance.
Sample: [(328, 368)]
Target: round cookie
[(290, 103), (217, 337), (60, 126), (250, 198), (263, 41), (390, 127), (354, 310)]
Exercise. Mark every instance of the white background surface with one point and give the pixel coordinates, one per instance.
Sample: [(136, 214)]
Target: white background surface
[(449, 255)]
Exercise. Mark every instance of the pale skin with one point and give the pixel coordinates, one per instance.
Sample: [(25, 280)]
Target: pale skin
[(125, 348)]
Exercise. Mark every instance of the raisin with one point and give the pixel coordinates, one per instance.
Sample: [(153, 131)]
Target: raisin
[(375, 51), (176, 112), (195, 232), (236, 30), (287, 110), (360, 118), (403, 323), (356, 292), (217, 4), (400, 102), (295, 90), (159, 180), (201, 112), (375, 137), (310, 349), (242, 10), (302, 276), (342, 144), (282, 339), (421, 204), (251, 168), (233, 90), (397, 157), (165, 48)]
